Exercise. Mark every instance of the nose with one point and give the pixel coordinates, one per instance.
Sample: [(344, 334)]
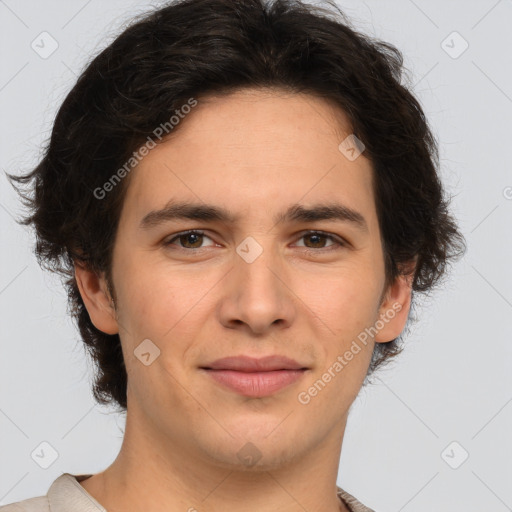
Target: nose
[(257, 298)]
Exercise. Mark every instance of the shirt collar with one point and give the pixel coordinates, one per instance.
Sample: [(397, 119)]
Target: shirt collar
[(352, 503), (67, 494)]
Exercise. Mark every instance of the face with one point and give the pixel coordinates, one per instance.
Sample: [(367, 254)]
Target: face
[(257, 277)]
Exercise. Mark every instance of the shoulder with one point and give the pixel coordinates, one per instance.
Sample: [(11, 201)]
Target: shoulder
[(38, 504), (64, 494)]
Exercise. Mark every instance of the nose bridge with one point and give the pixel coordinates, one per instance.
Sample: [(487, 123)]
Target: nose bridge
[(257, 272), (253, 264)]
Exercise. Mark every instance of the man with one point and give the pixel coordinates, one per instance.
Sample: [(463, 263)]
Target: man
[(244, 200)]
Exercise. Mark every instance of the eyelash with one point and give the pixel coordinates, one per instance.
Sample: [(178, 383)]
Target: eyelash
[(339, 242)]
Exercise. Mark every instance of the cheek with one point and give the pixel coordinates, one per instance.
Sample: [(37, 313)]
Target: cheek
[(157, 297), (347, 302), (348, 307), (157, 305)]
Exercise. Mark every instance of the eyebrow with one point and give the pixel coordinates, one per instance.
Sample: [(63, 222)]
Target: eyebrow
[(211, 213)]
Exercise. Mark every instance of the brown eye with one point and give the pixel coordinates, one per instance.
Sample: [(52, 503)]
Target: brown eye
[(191, 240), (188, 240), (317, 240)]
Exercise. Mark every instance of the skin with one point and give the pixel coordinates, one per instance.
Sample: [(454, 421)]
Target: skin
[(254, 152)]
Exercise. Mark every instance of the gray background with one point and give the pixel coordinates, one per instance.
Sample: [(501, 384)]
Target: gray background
[(452, 383)]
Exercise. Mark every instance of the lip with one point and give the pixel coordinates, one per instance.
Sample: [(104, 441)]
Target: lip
[(254, 377), (256, 384), (252, 364)]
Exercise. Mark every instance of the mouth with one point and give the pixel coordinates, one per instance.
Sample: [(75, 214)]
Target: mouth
[(253, 377), (255, 384)]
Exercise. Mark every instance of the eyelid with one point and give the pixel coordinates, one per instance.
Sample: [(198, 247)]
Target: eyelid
[(339, 241), (187, 232)]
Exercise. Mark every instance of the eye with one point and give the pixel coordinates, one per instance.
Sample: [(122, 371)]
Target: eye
[(317, 240), (189, 239)]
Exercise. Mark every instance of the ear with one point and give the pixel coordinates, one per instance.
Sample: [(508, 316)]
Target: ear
[(97, 300), (394, 309)]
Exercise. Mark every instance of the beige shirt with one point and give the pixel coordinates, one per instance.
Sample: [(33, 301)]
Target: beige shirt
[(67, 495)]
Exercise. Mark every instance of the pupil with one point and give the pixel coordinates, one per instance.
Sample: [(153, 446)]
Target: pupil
[(317, 237), (195, 237), (192, 236)]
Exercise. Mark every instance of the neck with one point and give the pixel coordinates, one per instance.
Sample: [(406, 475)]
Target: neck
[(154, 472)]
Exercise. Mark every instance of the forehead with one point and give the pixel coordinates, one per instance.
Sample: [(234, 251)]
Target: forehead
[(250, 149)]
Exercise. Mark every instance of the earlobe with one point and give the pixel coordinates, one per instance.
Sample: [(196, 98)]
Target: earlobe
[(94, 292), (394, 310)]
